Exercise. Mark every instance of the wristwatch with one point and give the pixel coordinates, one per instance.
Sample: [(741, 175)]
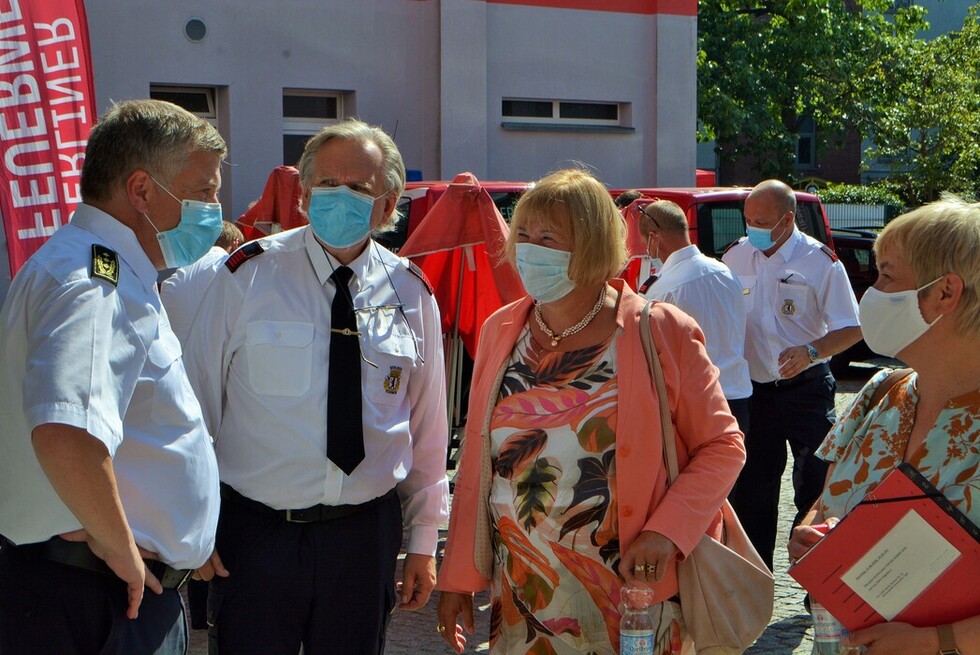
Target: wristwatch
[(947, 645), (812, 352)]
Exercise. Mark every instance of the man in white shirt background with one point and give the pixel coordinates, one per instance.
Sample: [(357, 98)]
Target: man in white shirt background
[(706, 290)]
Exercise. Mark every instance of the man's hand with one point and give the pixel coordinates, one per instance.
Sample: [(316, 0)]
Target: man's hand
[(451, 605), (418, 581), (213, 567), (793, 361), (128, 567)]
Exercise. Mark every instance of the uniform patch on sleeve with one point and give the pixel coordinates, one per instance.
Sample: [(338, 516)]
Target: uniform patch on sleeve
[(830, 253), (420, 274), (243, 254), (105, 264)]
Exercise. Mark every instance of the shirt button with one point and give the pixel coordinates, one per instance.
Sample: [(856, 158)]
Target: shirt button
[(627, 511)]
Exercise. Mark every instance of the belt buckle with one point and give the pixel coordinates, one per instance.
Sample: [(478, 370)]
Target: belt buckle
[(290, 519), (183, 580)]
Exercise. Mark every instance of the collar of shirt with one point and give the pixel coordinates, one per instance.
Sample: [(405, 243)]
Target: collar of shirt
[(324, 264), (785, 251), (677, 257), (116, 237)]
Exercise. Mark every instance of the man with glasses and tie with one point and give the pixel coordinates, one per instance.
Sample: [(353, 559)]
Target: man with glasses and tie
[(317, 357)]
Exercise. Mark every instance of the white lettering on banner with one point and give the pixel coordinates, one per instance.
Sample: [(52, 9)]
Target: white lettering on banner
[(43, 111), (40, 230)]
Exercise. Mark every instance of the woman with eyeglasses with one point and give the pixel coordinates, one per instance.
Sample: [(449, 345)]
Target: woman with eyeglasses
[(562, 470)]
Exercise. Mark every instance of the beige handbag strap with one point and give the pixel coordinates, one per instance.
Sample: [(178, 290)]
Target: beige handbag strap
[(657, 373)]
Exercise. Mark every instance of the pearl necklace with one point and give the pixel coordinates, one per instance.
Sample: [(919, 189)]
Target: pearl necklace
[(578, 327)]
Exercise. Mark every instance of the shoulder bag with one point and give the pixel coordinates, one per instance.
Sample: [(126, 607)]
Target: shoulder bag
[(726, 590)]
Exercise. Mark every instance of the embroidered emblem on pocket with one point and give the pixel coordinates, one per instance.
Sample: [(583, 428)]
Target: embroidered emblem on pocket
[(394, 380), (788, 307)]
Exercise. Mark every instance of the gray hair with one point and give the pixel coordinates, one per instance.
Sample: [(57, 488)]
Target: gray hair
[(153, 135), (393, 168)]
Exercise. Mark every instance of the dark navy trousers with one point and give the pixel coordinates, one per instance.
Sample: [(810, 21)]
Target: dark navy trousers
[(799, 414), (328, 586)]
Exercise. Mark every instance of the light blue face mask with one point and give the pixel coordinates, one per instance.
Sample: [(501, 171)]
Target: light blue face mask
[(340, 216), (544, 272), (761, 238), (199, 228)]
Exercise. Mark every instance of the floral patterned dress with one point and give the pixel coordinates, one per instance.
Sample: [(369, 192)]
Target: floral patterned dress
[(553, 497), (867, 443)]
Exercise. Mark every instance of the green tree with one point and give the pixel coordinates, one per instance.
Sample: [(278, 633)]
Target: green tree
[(765, 67), (924, 118)]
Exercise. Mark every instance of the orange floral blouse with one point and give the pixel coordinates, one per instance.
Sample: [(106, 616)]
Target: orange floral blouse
[(867, 443)]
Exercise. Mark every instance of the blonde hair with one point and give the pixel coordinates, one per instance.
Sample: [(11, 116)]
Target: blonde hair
[(575, 203), (939, 238)]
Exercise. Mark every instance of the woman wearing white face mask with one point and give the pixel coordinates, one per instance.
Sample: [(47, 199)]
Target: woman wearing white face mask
[(925, 310), (562, 468)]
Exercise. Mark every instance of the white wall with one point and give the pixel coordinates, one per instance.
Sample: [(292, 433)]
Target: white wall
[(436, 69)]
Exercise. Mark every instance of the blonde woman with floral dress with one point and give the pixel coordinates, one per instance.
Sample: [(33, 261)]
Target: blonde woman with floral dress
[(562, 464)]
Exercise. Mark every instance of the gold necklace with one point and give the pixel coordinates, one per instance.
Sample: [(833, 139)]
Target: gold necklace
[(578, 327)]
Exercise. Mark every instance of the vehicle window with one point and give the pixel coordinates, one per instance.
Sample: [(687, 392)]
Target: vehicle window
[(809, 219), (505, 201), (719, 224)]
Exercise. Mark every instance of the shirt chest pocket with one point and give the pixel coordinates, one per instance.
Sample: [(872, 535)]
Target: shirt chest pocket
[(393, 350), (280, 357), (793, 301), (171, 388)]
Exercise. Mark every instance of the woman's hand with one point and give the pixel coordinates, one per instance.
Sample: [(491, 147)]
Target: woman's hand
[(886, 638), (647, 558), (805, 537), (451, 605)]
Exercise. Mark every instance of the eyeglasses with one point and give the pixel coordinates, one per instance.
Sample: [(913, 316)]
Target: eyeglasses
[(643, 210)]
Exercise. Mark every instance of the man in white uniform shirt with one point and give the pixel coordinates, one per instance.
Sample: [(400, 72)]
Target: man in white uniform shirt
[(108, 480), (704, 288), (317, 357), (801, 311), (183, 291)]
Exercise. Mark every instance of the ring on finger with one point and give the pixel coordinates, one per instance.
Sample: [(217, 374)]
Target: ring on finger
[(651, 569), (639, 568), (440, 629)]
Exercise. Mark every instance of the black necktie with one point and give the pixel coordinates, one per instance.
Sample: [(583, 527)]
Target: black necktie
[(345, 435)]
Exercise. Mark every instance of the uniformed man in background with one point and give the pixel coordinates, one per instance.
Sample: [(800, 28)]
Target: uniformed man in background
[(108, 481), (317, 357), (800, 311)]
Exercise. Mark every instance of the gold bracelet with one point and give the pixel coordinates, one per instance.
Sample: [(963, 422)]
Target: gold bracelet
[(947, 643)]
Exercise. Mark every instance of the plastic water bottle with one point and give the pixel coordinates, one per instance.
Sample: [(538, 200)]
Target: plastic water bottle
[(636, 625), (827, 633)]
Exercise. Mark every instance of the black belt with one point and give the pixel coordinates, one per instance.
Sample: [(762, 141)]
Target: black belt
[(314, 514), (818, 371), (77, 554)]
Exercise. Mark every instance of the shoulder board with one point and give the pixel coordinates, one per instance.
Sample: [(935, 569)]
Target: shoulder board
[(732, 245), (105, 264), (647, 284), (830, 253), (417, 272), (243, 254)]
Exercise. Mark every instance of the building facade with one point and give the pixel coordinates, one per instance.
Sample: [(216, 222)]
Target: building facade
[(505, 89)]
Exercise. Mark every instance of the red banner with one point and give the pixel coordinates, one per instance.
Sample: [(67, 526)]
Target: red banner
[(47, 107)]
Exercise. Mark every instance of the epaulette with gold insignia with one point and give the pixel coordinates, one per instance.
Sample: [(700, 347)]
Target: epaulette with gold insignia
[(105, 264), (830, 253), (243, 254), (420, 274)]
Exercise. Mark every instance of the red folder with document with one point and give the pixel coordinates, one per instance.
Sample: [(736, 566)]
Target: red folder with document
[(905, 553)]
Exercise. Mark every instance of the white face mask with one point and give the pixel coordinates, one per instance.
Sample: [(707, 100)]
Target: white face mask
[(655, 262), (544, 272), (891, 321)]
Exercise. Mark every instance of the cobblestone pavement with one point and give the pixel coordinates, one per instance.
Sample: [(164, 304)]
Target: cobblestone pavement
[(789, 633)]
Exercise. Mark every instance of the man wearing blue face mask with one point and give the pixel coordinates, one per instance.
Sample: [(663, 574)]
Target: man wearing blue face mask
[(800, 311), (317, 356), (108, 481)]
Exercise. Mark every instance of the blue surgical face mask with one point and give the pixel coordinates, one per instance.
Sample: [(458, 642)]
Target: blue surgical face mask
[(544, 272), (339, 216), (761, 238), (199, 228)]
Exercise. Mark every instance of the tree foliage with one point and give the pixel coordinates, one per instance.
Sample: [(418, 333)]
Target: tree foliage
[(765, 66)]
